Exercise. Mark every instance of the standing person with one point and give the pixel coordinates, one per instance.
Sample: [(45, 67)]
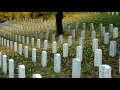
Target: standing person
[(59, 17)]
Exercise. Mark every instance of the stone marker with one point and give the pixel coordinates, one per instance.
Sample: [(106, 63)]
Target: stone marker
[(11, 68), (19, 40), (79, 52), (98, 57), (44, 59), (76, 68), (16, 38), (45, 44), (26, 51), (119, 65), (65, 50), (112, 49), (54, 47), (0, 59), (4, 60), (115, 33), (38, 43), (93, 35), (81, 42), (95, 44), (110, 27), (100, 27), (83, 26), (69, 28), (32, 42), (34, 55), (73, 34), (83, 34), (20, 49), (15, 46), (7, 43), (103, 31), (61, 39), (23, 39), (70, 41), (53, 37), (27, 40), (36, 76), (106, 38), (21, 71), (57, 63), (11, 45), (2, 41), (104, 71)]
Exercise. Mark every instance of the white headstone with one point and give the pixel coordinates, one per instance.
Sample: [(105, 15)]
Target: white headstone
[(81, 42), (61, 39), (79, 52), (76, 68), (21, 71), (32, 42), (7, 43), (83, 26), (38, 43), (54, 47), (57, 63), (110, 27), (69, 41), (34, 55), (93, 35), (19, 39), (91, 26), (15, 46), (0, 40), (98, 57), (11, 68), (115, 33), (4, 42), (65, 50), (95, 44), (26, 51), (4, 60), (100, 27), (20, 49), (108, 12), (36, 76), (73, 34), (69, 28), (112, 49), (45, 44), (83, 34), (103, 31), (27, 40), (119, 65), (104, 71), (11, 45), (53, 37), (116, 13), (16, 38), (44, 59), (23, 39), (113, 13), (106, 38), (0, 59)]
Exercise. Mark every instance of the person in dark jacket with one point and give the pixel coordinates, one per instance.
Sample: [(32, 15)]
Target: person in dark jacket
[(59, 17)]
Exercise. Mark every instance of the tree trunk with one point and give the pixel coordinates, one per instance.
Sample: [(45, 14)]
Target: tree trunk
[(59, 17)]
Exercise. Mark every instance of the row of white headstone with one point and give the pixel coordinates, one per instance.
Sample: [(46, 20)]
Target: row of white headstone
[(113, 13), (21, 68)]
